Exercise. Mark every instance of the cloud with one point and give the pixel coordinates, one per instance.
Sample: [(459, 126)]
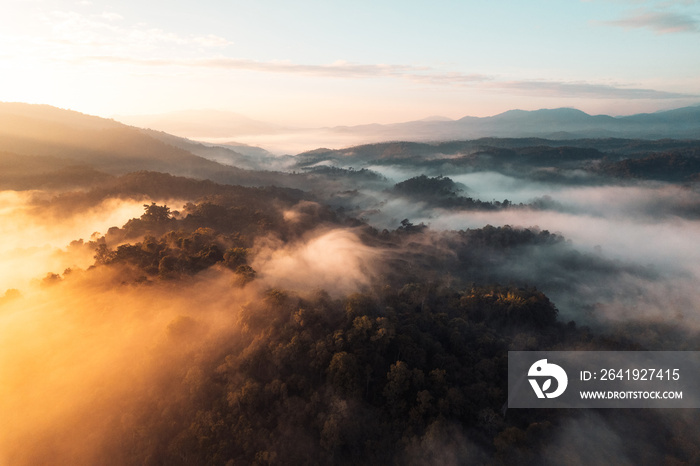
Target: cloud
[(419, 74), (343, 69), (210, 40), (334, 260), (337, 69), (590, 90), (86, 357), (110, 38), (661, 22), (50, 238), (586, 439), (671, 3), (75, 34), (111, 16)]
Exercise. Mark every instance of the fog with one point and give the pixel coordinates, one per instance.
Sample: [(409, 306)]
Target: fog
[(89, 355), (344, 322), (36, 241), (295, 142), (615, 224), (644, 223), (79, 358), (587, 439), (489, 186), (668, 243), (639, 259), (335, 261)]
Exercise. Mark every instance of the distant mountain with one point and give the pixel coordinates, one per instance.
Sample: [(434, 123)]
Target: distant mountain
[(47, 146), (234, 154), (580, 161), (561, 123), (436, 118), (245, 149)]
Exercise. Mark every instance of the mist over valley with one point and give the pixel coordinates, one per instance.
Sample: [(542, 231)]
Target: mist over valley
[(554, 124), (171, 301)]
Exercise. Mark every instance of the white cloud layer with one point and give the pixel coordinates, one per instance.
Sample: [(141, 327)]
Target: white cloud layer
[(660, 22)]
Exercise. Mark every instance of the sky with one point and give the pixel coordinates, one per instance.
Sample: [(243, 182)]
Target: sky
[(327, 63)]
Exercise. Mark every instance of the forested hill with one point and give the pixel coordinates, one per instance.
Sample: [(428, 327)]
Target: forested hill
[(558, 123), (321, 317), (566, 161), (408, 369), (42, 146), (39, 144)]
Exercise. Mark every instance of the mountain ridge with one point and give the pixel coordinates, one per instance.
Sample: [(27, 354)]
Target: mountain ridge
[(680, 123), (41, 140)]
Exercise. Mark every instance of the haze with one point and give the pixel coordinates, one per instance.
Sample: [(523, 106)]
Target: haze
[(237, 232), (327, 64)]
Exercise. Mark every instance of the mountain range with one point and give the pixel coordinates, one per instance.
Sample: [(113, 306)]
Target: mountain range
[(553, 124), (36, 139), (40, 144), (561, 123)]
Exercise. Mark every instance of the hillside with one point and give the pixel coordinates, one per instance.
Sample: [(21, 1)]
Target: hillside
[(38, 141), (586, 160), (552, 124), (357, 308)]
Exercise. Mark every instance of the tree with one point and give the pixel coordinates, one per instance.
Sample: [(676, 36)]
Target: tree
[(155, 213), (344, 373)]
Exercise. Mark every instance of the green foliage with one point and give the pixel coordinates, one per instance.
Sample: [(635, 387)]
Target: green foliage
[(443, 192), (423, 186), (412, 368), (675, 166), (178, 253), (408, 227), (508, 307)]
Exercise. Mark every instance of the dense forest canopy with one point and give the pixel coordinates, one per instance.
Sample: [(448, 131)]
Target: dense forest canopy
[(350, 306)]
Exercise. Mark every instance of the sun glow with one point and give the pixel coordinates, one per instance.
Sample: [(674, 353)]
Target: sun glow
[(35, 242)]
